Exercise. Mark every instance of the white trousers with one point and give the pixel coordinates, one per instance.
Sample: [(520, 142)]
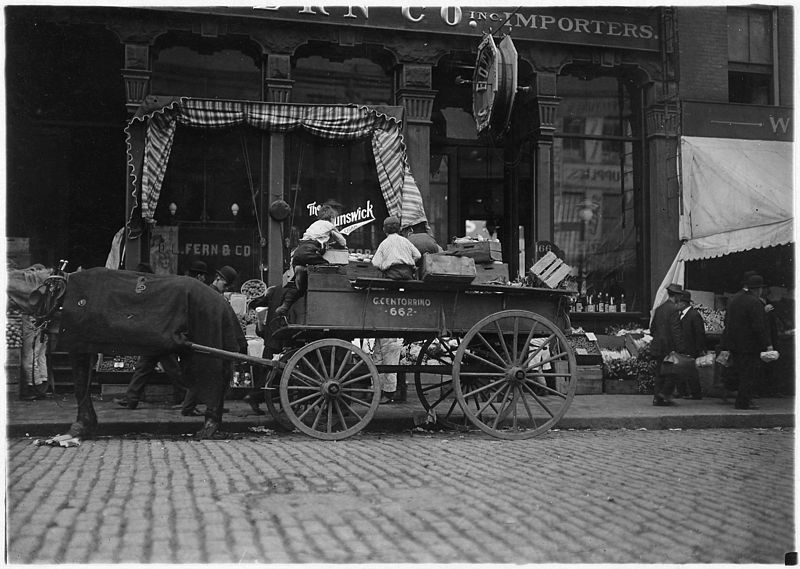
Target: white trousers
[(34, 354), (387, 352)]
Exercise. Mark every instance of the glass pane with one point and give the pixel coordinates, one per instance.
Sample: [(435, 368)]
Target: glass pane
[(222, 74), (316, 172), (594, 189), (356, 80), (737, 35), (760, 37)]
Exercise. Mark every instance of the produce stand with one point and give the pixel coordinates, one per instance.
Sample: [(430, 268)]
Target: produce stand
[(494, 357)]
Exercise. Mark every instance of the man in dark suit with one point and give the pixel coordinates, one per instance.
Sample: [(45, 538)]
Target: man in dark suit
[(746, 336), (693, 331), (665, 328)]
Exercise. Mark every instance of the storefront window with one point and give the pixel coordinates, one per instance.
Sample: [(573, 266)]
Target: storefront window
[(330, 74), (316, 172), (207, 67), (597, 187)]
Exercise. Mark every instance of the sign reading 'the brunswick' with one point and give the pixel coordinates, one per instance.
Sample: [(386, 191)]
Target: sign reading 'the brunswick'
[(623, 27)]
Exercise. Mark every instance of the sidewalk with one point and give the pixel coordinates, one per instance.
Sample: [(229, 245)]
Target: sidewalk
[(53, 416)]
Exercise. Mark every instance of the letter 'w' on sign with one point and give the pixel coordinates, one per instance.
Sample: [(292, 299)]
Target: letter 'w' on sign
[(550, 269)]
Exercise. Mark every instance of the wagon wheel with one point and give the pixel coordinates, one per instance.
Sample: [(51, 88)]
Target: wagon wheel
[(329, 389), (272, 400), (437, 393), (514, 374)]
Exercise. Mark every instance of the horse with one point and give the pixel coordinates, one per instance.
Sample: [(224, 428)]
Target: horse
[(120, 312)]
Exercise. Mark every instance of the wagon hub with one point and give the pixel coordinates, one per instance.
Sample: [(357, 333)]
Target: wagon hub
[(515, 373), (331, 388)]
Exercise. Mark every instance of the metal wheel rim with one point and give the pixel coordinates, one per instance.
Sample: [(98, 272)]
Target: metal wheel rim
[(329, 389), (497, 382), (440, 397), (272, 401)]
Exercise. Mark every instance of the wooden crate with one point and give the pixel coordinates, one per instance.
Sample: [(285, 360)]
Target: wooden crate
[(447, 268), (550, 270), (479, 251), (590, 380), (494, 273), (363, 270)]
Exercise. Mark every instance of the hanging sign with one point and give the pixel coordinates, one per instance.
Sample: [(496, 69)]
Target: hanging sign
[(494, 85)]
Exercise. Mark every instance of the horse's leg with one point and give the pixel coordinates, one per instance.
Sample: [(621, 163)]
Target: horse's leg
[(82, 373), (212, 382)]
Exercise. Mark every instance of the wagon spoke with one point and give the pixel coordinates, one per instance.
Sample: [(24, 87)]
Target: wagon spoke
[(503, 407), (480, 336), (349, 408), (516, 339), (527, 345), (538, 399), (442, 398), (345, 360), (339, 413), (353, 380), (355, 399), (321, 362), (438, 386), (352, 369), (330, 416), (313, 368), (557, 357), (482, 374), (527, 361), (309, 408), (318, 417), (479, 390), (487, 362), (489, 402), (529, 381), (306, 398), (502, 339), (527, 406)]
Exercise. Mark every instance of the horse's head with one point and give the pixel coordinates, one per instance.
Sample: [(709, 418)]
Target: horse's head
[(26, 287)]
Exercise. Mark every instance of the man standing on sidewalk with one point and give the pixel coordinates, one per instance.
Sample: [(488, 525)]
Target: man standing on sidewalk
[(746, 336), (693, 331), (667, 338)]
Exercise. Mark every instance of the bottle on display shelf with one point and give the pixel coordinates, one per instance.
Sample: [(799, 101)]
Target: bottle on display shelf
[(590, 306), (622, 306), (601, 302), (612, 305), (579, 304)]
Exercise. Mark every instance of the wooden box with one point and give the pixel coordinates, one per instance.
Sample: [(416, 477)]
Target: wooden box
[(590, 380), (491, 273), (363, 270), (550, 270), (480, 251), (447, 268)]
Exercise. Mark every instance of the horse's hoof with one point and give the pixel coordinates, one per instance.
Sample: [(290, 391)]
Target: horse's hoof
[(80, 431), (210, 430)]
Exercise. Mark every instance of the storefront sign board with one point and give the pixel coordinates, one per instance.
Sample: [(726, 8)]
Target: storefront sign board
[(622, 27), (726, 120)]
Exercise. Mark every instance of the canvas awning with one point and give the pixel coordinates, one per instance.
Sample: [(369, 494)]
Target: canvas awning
[(150, 134), (736, 195)]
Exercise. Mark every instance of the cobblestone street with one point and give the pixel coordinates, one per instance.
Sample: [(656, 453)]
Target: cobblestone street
[(702, 496)]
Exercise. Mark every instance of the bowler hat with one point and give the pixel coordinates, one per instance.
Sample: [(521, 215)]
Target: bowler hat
[(687, 296), (755, 281), (228, 273), (198, 267), (675, 288)]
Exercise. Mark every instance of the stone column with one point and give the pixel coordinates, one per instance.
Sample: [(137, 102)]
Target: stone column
[(136, 75), (546, 109), (662, 240), (416, 97), (277, 89)]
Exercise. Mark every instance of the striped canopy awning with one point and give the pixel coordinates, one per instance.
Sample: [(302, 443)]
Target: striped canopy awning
[(329, 122)]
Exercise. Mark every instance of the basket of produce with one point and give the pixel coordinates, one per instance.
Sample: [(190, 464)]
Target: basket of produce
[(254, 288)]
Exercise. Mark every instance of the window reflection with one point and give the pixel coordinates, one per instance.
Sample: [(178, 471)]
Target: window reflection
[(594, 199)]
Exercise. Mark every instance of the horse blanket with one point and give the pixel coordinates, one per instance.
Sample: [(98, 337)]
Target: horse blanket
[(126, 312)]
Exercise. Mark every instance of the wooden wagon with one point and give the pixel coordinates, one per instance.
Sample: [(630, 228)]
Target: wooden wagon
[(495, 357)]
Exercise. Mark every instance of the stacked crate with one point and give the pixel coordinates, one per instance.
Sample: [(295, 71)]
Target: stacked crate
[(488, 256)]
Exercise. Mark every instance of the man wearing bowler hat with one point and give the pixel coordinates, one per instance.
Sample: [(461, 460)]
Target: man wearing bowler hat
[(665, 328), (694, 338), (224, 279), (198, 270), (746, 336)]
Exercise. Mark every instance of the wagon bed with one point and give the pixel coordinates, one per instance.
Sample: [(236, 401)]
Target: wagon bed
[(493, 357)]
